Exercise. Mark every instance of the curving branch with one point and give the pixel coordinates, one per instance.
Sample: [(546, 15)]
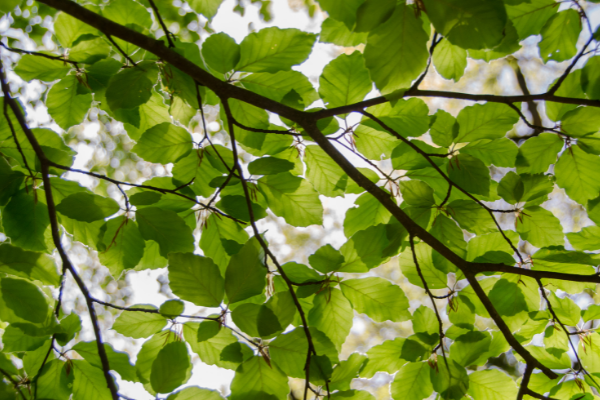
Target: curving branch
[(224, 89), (432, 298), (45, 165), (168, 33), (446, 177), (39, 54), (311, 347)]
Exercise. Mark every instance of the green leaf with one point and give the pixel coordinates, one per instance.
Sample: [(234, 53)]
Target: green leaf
[(87, 207), (485, 121), (530, 17), (274, 49), (539, 227), (196, 279), (292, 198), (269, 166), (124, 246), (500, 152), (246, 273), (326, 175), (208, 8), (336, 32), (571, 87), (89, 51), (352, 395), (129, 13), (559, 36), (378, 298), (118, 361), (590, 78), (391, 355), (369, 212), (276, 86), (581, 121), (54, 382), (579, 174), (332, 314), (566, 310), (396, 51), (442, 128), (164, 143), (171, 308), (345, 80), (412, 382), (344, 11), (537, 153), (221, 52), (435, 278), (417, 193), (326, 259), (407, 158), (288, 351), (138, 324), (24, 299), (450, 382), (68, 102), (32, 67), (471, 216), (222, 349), (369, 248), (195, 393), (221, 239), (171, 368), (492, 384), (68, 29), (131, 87), (586, 239), (148, 353), (89, 382), (372, 13), (449, 60), (470, 173), (25, 220), (347, 370), (28, 264), (167, 228), (470, 24), (255, 379), (374, 144), (470, 348)]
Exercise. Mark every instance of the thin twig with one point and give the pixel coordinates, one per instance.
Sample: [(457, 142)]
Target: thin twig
[(432, 297), (162, 24), (110, 39), (38, 54), (311, 349), (14, 382), (446, 178)]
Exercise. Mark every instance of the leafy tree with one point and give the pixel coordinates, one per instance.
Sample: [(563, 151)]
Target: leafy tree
[(469, 212)]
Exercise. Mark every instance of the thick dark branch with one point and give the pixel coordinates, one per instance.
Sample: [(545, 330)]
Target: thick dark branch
[(491, 98), (446, 177), (45, 164), (514, 343), (525, 382), (226, 90)]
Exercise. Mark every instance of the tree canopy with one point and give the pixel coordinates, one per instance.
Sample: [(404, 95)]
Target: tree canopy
[(470, 214)]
